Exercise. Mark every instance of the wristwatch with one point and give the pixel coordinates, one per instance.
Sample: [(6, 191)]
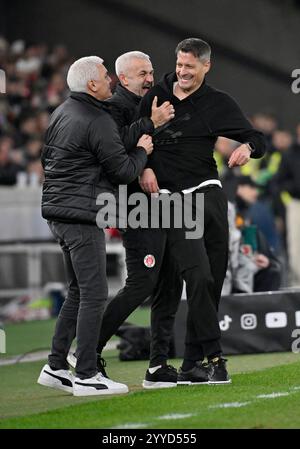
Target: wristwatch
[(250, 146)]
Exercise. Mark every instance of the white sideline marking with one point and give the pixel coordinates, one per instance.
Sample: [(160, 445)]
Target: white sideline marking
[(230, 404), (42, 355), (131, 425), (215, 406), (272, 395), (177, 416)]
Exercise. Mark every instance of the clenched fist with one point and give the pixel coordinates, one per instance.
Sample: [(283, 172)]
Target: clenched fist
[(146, 142)]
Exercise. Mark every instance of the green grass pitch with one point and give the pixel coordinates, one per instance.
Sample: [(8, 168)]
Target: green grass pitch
[(265, 393)]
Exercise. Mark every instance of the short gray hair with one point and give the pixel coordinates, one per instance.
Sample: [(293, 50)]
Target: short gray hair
[(123, 62), (82, 71)]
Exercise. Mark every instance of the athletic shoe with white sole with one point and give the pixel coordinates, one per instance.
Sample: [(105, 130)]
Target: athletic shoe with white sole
[(61, 379), (97, 385), (163, 377), (198, 375), (218, 372)]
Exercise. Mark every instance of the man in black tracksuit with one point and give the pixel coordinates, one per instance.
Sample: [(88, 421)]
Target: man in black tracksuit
[(183, 162), (161, 280), (83, 157)]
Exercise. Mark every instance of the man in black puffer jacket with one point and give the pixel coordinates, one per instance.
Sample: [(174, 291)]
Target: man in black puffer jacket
[(83, 156)]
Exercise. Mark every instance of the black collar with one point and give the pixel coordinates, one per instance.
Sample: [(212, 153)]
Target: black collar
[(202, 90), (132, 97), (87, 98)]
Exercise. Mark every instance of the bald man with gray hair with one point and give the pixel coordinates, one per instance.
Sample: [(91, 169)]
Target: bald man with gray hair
[(123, 62), (136, 77)]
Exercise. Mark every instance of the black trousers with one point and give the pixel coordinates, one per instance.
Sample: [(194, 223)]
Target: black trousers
[(161, 281), (84, 256), (202, 263)]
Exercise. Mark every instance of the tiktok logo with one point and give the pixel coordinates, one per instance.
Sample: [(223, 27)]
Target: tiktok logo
[(225, 324)]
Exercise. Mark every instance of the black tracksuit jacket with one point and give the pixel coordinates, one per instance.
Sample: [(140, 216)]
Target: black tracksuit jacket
[(123, 106)]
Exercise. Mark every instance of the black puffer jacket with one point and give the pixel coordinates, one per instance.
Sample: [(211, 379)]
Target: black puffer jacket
[(82, 157)]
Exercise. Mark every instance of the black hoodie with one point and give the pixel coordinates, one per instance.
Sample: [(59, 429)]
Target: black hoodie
[(183, 151)]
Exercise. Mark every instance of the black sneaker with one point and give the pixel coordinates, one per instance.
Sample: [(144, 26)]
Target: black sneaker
[(164, 377), (218, 372), (198, 375)]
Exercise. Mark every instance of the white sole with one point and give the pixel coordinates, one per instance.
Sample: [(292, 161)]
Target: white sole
[(52, 384), (223, 382), (148, 385), (189, 383), (94, 392)]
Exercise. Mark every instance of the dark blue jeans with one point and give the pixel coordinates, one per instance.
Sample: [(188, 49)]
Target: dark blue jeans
[(83, 247)]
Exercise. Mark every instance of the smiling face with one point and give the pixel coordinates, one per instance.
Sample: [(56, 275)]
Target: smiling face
[(139, 76), (190, 71)]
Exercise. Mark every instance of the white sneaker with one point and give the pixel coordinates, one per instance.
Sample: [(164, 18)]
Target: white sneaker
[(97, 385), (72, 359), (61, 379)]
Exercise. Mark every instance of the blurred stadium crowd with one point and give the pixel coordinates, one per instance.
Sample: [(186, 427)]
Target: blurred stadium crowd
[(35, 86), (266, 191)]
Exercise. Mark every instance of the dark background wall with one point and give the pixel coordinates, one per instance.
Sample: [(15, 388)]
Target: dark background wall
[(256, 44)]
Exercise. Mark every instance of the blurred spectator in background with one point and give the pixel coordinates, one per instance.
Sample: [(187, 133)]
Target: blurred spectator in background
[(56, 91), (8, 168), (228, 176), (256, 210), (35, 86), (288, 181), (265, 122), (253, 265)]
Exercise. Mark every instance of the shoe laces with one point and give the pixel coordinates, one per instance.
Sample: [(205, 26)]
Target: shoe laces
[(101, 366), (219, 359), (171, 368), (205, 365)]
